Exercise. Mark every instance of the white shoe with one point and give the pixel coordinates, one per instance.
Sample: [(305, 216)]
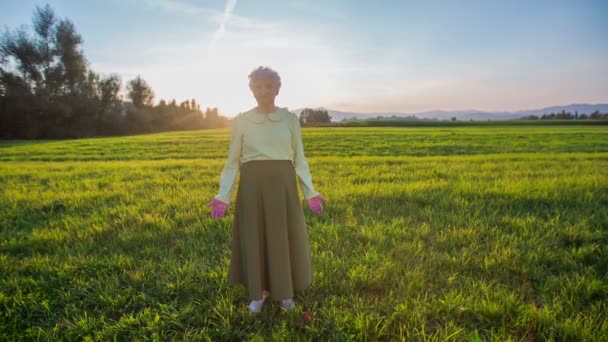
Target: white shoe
[(288, 304), (256, 305)]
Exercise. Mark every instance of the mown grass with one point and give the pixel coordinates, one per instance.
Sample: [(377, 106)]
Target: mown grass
[(478, 238), (330, 142)]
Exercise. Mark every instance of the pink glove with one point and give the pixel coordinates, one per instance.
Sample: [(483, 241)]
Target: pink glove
[(315, 204), (218, 209)]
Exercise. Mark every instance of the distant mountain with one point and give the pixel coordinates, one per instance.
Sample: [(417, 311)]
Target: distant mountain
[(580, 108), (472, 114)]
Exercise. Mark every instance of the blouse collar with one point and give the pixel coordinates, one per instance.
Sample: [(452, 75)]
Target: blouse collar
[(256, 117)]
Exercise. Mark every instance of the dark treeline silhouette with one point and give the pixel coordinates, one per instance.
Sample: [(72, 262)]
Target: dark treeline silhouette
[(309, 116), (48, 91), (563, 115)]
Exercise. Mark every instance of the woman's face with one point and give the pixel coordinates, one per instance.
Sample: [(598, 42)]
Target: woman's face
[(265, 90)]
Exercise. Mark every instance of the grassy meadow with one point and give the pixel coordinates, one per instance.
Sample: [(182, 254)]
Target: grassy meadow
[(438, 233)]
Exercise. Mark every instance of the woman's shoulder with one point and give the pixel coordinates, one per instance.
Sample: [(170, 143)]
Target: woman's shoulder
[(288, 114), (243, 116), (282, 113)]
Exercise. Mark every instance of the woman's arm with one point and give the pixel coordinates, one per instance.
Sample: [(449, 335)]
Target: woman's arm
[(300, 163), (231, 168)]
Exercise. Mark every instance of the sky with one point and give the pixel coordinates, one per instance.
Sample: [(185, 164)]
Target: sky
[(350, 55)]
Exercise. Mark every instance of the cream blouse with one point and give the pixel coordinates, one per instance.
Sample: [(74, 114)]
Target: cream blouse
[(274, 136)]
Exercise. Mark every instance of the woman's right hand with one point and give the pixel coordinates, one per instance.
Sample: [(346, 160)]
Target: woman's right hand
[(218, 209), (315, 204)]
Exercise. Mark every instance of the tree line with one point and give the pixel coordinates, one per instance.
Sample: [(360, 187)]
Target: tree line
[(309, 116), (564, 115), (49, 91)]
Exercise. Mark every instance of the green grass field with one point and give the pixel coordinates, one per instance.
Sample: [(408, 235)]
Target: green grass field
[(452, 233)]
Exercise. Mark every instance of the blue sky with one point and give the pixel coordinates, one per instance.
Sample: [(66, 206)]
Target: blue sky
[(372, 56)]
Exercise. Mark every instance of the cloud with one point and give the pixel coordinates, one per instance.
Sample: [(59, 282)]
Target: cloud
[(219, 33)]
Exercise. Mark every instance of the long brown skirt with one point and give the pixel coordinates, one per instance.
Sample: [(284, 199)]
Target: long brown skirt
[(270, 249)]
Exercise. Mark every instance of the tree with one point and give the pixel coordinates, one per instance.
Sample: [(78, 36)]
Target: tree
[(314, 116), (109, 90), (73, 64), (47, 89), (194, 105), (19, 47), (185, 106), (43, 78), (211, 117), (563, 115), (140, 93), (595, 115), (44, 22), (50, 62)]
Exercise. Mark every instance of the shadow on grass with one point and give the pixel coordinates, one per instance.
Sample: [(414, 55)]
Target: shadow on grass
[(11, 143)]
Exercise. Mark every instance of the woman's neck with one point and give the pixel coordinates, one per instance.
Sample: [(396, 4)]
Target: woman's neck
[(266, 109)]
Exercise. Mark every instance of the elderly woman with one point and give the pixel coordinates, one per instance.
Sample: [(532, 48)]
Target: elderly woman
[(270, 249)]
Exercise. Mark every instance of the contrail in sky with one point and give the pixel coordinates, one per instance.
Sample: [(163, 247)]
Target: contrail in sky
[(219, 33)]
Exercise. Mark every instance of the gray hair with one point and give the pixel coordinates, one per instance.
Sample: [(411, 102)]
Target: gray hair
[(265, 72)]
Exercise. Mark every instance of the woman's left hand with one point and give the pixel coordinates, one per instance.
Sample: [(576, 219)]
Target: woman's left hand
[(218, 209), (315, 204)]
